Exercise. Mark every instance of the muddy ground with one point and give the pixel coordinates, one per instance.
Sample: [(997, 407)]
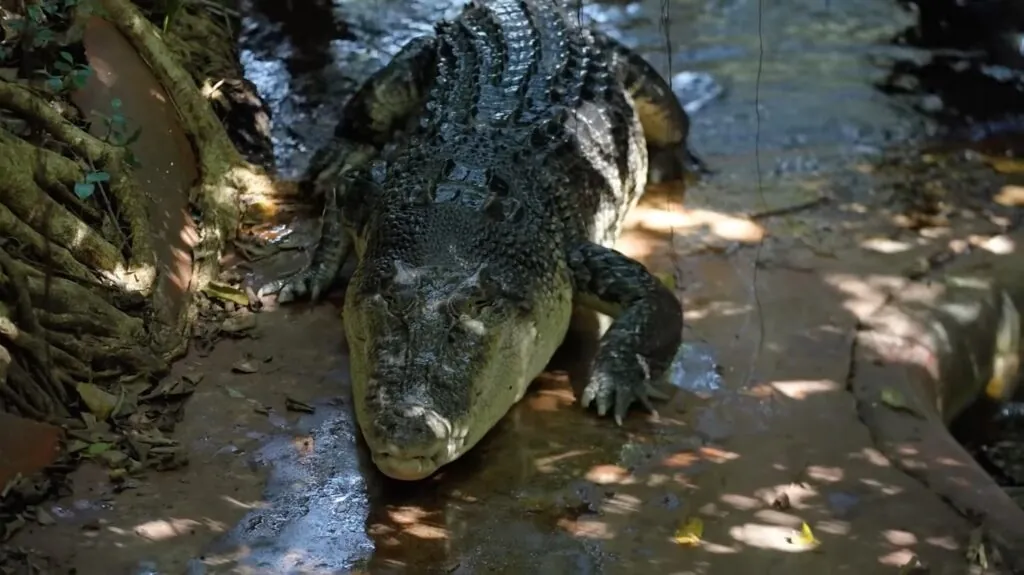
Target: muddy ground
[(763, 434)]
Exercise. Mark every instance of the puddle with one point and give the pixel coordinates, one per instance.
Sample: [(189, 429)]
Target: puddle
[(695, 370), (315, 519)]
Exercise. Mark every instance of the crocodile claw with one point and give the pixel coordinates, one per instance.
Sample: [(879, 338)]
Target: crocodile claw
[(329, 255), (294, 287), (620, 386)]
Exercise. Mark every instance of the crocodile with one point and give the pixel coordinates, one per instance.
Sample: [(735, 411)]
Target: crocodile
[(481, 179)]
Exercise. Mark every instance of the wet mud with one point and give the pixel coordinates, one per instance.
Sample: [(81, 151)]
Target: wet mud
[(825, 193)]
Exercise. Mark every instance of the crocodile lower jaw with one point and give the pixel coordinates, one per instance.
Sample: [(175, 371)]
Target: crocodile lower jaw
[(405, 468)]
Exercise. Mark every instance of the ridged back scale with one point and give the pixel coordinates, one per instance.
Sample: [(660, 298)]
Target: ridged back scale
[(525, 121)]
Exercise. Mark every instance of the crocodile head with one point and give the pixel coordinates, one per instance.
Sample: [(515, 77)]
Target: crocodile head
[(443, 341)]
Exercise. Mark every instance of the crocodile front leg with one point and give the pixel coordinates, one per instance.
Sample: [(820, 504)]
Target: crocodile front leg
[(383, 105), (644, 335), (329, 255)]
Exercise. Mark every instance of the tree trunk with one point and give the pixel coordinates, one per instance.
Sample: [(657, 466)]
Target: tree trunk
[(90, 291)]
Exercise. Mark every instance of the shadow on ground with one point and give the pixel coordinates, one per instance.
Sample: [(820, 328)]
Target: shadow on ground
[(765, 432)]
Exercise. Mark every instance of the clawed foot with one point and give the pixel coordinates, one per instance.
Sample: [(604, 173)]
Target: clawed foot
[(620, 386), (305, 283)]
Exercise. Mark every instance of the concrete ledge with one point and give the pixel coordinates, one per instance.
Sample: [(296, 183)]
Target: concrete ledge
[(931, 351)]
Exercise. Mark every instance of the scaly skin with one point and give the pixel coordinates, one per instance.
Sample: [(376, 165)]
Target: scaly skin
[(481, 179)]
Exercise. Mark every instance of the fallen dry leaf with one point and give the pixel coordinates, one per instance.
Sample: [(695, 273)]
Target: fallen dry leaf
[(895, 401), (690, 532), (292, 404), (239, 323), (805, 538), (244, 366), (1005, 165), (99, 402), (224, 292)]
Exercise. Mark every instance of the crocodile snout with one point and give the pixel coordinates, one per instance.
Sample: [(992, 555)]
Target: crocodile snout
[(410, 441)]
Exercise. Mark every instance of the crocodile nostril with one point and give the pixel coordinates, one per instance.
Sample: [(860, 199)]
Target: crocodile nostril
[(410, 430)]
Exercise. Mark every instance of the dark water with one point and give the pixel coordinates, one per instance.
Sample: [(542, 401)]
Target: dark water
[(973, 79), (816, 86)]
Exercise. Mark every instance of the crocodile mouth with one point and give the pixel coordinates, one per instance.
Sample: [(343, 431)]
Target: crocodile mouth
[(407, 468), (413, 464)]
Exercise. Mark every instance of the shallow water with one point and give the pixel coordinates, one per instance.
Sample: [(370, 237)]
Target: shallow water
[(816, 75)]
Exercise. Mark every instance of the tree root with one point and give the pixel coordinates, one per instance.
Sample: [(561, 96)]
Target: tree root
[(203, 37), (68, 266), (225, 174), (42, 213)]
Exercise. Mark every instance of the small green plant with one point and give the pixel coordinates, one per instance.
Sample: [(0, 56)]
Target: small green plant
[(87, 187), (117, 135), (70, 75), (66, 75)]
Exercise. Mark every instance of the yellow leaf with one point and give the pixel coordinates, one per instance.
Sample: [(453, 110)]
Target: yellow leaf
[(807, 536), (1006, 165), (669, 280), (895, 400), (99, 402), (224, 292), (690, 532)]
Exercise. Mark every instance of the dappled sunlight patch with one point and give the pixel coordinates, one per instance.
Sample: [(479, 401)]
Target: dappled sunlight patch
[(864, 294), (771, 537), (1010, 196), (899, 537), (690, 221), (743, 502), (162, 529), (897, 558), (886, 245), (304, 446), (759, 391), (139, 279), (775, 517), (606, 474), (999, 245), (158, 96), (803, 389), (944, 542), (825, 474), (243, 505), (716, 455), (550, 400), (550, 463), (409, 520), (788, 496), (211, 90), (587, 528), (621, 504), (882, 487), (716, 309), (680, 460), (253, 184), (835, 527)]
